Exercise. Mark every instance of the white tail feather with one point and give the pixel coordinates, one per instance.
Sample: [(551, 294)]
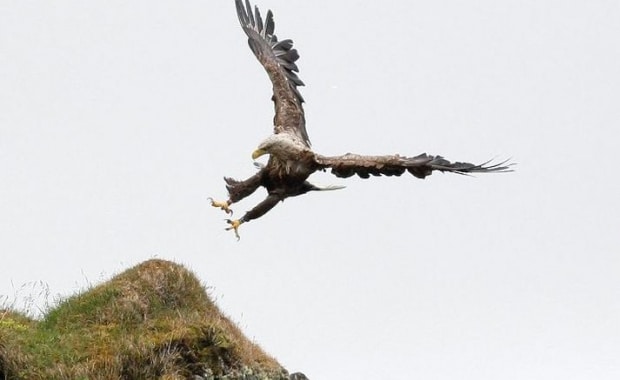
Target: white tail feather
[(328, 187)]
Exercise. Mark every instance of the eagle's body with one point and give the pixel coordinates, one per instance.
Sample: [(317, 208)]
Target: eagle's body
[(291, 159)]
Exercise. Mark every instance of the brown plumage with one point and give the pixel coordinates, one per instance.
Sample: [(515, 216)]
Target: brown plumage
[(291, 161)]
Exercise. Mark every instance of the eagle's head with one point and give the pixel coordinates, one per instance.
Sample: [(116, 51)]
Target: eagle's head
[(282, 145)]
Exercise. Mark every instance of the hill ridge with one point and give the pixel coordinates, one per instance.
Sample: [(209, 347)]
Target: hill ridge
[(154, 320)]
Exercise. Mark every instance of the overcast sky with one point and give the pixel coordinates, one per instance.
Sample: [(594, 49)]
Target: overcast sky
[(118, 119)]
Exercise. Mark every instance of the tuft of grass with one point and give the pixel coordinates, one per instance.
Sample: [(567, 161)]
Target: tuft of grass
[(153, 321)]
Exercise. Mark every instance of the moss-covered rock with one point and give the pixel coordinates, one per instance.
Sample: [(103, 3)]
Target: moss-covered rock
[(153, 321)]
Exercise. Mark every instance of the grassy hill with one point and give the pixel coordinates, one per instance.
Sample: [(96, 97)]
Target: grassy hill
[(153, 321)]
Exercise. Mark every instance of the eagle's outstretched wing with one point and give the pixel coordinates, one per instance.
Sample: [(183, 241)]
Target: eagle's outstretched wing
[(278, 58), (420, 166)]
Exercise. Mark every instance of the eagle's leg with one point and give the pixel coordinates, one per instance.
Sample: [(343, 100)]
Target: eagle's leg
[(255, 213), (237, 190)]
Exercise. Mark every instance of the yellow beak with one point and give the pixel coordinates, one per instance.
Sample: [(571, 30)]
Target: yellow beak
[(257, 153)]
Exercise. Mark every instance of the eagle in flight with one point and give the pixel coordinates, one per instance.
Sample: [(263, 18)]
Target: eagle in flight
[(291, 161)]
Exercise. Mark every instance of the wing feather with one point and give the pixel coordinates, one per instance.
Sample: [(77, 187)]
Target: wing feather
[(278, 58), (249, 13), (395, 165), (259, 21)]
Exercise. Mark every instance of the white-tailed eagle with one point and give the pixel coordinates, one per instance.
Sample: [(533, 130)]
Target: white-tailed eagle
[(291, 161)]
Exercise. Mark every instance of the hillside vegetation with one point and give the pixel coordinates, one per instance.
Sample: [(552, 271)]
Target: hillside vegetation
[(153, 321)]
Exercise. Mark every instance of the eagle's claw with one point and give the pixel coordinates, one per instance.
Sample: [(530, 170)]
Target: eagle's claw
[(222, 205), (234, 225)]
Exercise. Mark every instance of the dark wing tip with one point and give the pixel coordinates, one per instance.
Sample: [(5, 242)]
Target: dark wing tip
[(264, 42), (441, 164)]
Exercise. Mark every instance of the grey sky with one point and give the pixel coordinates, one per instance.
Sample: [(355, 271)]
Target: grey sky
[(118, 119)]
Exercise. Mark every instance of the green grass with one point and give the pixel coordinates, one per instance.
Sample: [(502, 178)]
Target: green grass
[(153, 321)]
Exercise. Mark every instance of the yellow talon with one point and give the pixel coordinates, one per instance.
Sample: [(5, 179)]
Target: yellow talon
[(222, 205), (234, 225)]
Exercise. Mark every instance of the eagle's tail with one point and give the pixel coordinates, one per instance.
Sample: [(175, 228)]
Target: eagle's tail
[(315, 187)]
